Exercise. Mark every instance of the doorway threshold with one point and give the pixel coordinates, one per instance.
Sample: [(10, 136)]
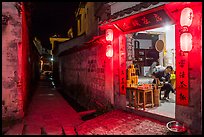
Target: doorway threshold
[(145, 113)]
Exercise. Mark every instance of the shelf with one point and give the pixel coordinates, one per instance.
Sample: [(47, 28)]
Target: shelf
[(149, 56)]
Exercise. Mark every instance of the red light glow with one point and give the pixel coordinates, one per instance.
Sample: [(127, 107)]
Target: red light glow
[(186, 42), (109, 51), (109, 35), (186, 17)]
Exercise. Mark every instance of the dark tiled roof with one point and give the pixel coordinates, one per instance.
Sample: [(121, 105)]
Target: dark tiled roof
[(135, 8)]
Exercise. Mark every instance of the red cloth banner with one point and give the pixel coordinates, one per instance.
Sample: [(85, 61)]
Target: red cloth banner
[(122, 64), (182, 79)]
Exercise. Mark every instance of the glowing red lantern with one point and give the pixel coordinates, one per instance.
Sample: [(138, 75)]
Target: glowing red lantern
[(186, 21), (109, 51), (186, 41), (186, 17), (109, 35)]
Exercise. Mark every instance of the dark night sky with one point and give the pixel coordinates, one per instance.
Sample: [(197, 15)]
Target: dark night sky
[(49, 18)]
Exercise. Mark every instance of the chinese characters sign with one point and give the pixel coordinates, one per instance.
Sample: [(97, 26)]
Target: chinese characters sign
[(122, 64), (143, 21), (130, 49), (182, 79)]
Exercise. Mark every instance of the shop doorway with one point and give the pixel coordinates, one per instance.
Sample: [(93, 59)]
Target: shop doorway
[(147, 58)]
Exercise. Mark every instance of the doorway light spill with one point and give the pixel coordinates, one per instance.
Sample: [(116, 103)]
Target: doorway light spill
[(167, 27)]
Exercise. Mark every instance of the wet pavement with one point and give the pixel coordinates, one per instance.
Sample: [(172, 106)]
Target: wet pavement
[(50, 114)]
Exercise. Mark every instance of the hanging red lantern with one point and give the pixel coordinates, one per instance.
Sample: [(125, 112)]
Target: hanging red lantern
[(186, 41), (109, 38), (109, 51), (109, 35), (186, 17)]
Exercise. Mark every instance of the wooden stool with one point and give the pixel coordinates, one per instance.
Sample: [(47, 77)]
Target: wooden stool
[(144, 91)]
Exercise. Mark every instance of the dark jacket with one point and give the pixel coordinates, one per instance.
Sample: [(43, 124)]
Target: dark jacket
[(162, 77)]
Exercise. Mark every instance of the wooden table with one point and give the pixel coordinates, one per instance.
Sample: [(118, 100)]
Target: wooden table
[(144, 91), (134, 92)]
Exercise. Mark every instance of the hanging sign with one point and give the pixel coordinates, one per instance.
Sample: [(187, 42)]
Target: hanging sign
[(182, 78), (130, 49), (122, 64), (143, 21)]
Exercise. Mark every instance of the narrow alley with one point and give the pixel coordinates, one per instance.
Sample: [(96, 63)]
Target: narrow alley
[(101, 68), (50, 114)]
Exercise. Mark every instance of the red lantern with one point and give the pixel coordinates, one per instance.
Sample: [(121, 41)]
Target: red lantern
[(186, 41), (109, 35), (109, 51), (186, 17)]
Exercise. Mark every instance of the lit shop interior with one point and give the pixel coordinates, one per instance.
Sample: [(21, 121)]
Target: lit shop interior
[(147, 52)]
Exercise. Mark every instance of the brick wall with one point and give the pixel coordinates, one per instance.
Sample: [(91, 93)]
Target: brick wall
[(83, 73)]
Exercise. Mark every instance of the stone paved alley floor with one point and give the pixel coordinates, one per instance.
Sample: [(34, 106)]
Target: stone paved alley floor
[(50, 114), (119, 122)]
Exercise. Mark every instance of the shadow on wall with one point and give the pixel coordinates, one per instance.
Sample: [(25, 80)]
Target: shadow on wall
[(81, 98)]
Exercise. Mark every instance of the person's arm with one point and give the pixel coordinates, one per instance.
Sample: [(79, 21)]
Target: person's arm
[(160, 76), (167, 78)]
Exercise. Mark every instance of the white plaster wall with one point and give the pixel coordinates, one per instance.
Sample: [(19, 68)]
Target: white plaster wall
[(170, 47), (169, 57), (170, 38)]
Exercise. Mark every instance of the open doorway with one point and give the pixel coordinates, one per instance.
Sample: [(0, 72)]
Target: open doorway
[(147, 58)]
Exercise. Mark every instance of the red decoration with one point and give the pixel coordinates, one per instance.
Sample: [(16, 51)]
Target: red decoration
[(109, 35), (182, 96), (186, 41), (145, 20), (186, 17), (109, 51), (122, 64)]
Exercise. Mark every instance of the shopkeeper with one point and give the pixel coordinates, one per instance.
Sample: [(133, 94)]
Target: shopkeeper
[(163, 77)]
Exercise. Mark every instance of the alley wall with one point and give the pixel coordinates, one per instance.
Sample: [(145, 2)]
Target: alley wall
[(83, 73), (11, 43)]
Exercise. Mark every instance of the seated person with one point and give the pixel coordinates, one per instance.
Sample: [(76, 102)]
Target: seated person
[(164, 77), (152, 68)]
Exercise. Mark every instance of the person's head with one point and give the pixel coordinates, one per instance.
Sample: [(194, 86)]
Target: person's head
[(169, 69)]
